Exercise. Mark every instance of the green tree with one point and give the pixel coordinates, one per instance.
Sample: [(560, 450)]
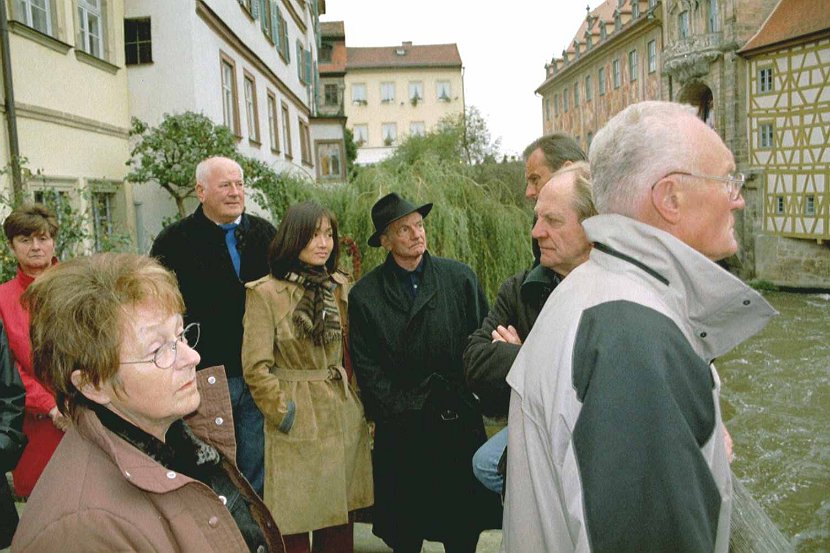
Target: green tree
[(168, 154)]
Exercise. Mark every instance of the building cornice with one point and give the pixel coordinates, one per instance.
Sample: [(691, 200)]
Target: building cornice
[(223, 31), (47, 115)]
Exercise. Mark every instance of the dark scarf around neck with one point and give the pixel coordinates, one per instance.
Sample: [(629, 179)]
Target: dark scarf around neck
[(316, 315)]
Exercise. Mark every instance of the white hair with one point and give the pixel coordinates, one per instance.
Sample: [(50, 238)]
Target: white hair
[(205, 167), (637, 147)]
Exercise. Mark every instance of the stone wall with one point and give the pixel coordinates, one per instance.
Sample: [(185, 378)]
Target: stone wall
[(792, 262)]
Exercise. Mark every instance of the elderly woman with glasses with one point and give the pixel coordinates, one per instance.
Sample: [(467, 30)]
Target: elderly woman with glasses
[(148, 464)]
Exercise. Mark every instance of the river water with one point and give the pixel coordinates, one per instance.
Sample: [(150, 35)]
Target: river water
[(776, 404)]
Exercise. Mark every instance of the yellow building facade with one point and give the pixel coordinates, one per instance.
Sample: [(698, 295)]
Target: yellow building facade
[(788, 89), (70, 111), (396, 91)]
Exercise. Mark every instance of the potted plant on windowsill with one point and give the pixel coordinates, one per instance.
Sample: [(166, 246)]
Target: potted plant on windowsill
[(359, 102), (443, 97), (388, 141), (414, 100)]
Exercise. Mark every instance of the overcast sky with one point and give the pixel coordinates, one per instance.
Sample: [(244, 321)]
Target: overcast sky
[(504, 47)]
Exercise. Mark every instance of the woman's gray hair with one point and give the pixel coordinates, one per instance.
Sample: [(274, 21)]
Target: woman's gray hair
[(637, 147)]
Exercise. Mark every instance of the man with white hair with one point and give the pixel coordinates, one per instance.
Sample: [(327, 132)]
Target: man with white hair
[(214, 251), (615, 435)]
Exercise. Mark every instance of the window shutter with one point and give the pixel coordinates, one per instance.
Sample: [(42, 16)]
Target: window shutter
[(263, 14), (255, 8), (275, 24), (300, 71), (307, 66)]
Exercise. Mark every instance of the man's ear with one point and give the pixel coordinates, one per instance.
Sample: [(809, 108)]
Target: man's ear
[(90, 391), (384, 242), (200, 191), (666, 198)]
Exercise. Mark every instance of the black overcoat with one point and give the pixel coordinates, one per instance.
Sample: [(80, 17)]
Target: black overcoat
[(407, 355), (195, 249)]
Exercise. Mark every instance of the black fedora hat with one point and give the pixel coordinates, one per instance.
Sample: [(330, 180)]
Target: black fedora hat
[(391, 208)]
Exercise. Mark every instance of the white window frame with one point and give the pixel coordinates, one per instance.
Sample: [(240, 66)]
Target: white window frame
[(389, 133), (249, 86), (766, 135), (712, 15), (26, 12), (228, 79), (387, 92), (416, 90), (765, 80), (417, 128), (633, 65), (91, 12), (359, 94), (683, 28), (601, 81), (443, 91), (360, 134), (810, 205), (273, 122), (616, 73), (652, 56)]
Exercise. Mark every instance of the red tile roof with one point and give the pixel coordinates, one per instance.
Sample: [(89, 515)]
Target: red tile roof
[(789, 20), (405, 55)]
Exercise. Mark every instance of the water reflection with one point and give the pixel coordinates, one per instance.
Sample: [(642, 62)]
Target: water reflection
[(776, 404)]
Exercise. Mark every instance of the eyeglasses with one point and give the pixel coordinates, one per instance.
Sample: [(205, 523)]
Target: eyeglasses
[(734, 183), (165, 356)]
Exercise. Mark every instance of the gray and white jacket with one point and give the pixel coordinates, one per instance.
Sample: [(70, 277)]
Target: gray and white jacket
[(615, 431)]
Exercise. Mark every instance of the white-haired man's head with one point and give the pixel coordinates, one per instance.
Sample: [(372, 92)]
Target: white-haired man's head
[(658, 163)]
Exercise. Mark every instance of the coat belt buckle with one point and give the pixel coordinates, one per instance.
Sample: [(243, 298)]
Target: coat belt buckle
[(449, 415)]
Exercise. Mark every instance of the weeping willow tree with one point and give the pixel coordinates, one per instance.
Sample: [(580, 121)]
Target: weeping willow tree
[(479, 216)]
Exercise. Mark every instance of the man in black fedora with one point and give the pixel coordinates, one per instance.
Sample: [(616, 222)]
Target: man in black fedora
[(409, 322)]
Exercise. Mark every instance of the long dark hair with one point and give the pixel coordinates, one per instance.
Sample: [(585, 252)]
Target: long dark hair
[(295, 232)]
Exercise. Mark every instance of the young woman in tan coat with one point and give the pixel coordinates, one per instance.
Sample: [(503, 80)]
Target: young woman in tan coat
[(318, 466)]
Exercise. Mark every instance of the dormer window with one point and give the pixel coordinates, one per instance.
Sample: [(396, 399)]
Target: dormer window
[(400, 51), (603, 34)]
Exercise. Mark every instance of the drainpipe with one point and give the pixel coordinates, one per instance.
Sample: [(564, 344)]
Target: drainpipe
[(11, 116)]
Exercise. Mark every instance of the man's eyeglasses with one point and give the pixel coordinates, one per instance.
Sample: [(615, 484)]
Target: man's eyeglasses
[(165, 356), (734, 183)]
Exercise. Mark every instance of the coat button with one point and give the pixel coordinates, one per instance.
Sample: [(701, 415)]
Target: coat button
[(223, 499), (213, 521), (260, 549), (127, 474), (171, 475), (211, 380), (219, 421)]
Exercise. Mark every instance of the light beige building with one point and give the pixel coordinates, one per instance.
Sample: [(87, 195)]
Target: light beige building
[(391, 92), (788, 88), (68, 109), (613, 61)]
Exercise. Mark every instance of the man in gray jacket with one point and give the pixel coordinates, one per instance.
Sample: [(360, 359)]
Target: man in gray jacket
[(615, 435)]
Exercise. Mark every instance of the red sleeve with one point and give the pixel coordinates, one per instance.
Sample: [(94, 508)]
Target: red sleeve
[(39, 399)]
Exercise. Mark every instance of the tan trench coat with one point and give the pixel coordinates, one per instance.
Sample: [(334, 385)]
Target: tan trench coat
[(321, 468)]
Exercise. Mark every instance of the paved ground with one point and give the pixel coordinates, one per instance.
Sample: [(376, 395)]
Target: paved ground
[(366, 542)]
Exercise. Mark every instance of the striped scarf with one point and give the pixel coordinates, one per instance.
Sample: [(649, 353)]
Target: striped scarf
[(316, 315)]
